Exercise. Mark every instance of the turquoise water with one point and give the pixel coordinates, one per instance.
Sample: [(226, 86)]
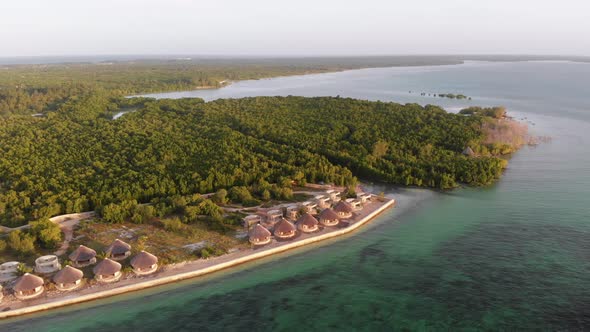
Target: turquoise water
[(513, 256)]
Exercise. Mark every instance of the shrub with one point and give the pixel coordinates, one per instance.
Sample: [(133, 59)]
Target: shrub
[(22, 243), (172, 224), (47, 233)]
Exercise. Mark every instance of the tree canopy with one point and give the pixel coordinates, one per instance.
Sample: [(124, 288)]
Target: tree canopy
[(78, 159)]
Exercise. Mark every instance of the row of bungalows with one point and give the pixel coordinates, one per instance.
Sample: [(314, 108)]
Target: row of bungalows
[(300, 217), (286, 230), (70, 277), (84, 256)]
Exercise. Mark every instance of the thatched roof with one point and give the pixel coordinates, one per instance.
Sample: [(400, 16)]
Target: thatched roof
[(468, 151), (143, 260), (259, 232), (344, 207), (284, 226), (307, 220), (328, 214), (28, 282), (106, 267), (82, 253), (118, 247), (67, 275)]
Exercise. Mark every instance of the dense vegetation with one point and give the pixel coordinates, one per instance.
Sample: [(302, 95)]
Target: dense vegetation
[(493, 112), (78, 159), (28, 89)]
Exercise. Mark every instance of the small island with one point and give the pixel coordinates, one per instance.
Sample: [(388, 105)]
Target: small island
[(444, 95)]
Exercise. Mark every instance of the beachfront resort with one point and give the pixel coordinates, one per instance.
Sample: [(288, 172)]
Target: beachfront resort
[(119, 267)]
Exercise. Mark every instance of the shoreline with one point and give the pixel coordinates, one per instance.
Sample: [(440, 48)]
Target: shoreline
[(191, 269)]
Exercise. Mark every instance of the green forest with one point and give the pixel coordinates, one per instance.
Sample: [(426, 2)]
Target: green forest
[(29, 89), (77, 158)]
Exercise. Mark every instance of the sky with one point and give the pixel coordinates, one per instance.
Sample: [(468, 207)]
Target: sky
[(296, 27)]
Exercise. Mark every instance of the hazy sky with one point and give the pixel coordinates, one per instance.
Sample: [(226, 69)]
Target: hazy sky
[(296, 27)]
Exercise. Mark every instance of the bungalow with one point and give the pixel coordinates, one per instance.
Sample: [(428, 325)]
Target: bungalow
[(343, 209), (364, 197), (47, 264), (284, 229), (251, 220), (68, 278), (107, 271), (28, 286), (8, 271), (322, 201), (334, 195), (292, 212), (328, 218), (272, 216), (118, 250), (307, 223), (83, 256), (355, 203), (144, 263), (309, 207), (259, 235)]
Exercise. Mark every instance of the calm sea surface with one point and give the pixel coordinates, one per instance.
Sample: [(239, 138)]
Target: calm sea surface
[(513, 256)]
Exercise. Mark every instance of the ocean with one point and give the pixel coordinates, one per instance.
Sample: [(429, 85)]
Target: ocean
[(511, 256)]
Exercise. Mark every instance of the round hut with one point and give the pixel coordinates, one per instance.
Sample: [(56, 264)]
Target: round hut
[(8, 271), (259, 235), (47, 264), (83, 256), (307, 223), (284, 229), (28, 286), (329, 218), (107, 271), (144, 263), (343, 209), (68, 278), (118, 250)]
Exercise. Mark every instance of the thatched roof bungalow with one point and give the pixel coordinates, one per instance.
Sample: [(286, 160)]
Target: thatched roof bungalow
[(28, 286), (83, 256), (343, 209), (259, 235), (284, 229), (47, 264), (68, 278), (328, 217), (307, 223), (107, 271), (144, 263), (118, 250)]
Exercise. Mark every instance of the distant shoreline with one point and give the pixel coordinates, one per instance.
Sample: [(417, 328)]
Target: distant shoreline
[(189, 269)]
